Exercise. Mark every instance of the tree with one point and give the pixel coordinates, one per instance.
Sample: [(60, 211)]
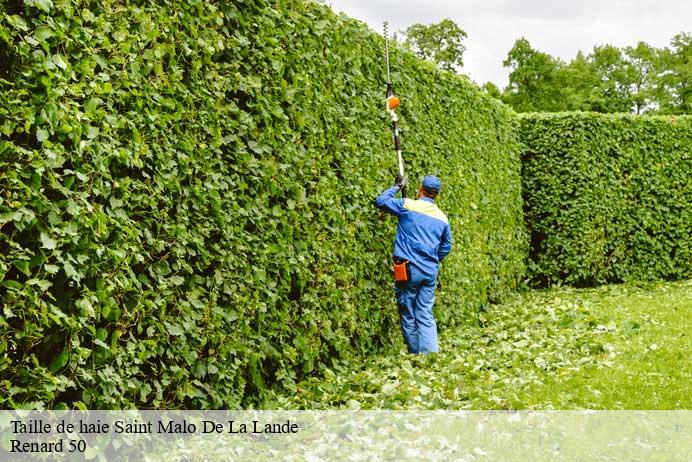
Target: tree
[(613, 93), (641, 63), (441, 43), (492, 90), (674, 82), (533, 81), (634, 79), (579, 83)]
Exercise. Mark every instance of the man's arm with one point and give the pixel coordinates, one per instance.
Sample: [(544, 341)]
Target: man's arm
[(445, 243), (386, 201)]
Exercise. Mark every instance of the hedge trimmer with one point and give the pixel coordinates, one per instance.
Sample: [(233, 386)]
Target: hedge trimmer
[(393, 103)]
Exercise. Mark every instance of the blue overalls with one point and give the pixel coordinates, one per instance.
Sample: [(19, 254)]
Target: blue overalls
[(424, 238)]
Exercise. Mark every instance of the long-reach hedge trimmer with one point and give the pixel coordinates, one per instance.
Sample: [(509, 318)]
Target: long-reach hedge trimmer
[(393, 103)]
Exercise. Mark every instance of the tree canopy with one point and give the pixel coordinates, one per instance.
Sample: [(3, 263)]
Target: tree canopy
[(441, 43), (637, 79)]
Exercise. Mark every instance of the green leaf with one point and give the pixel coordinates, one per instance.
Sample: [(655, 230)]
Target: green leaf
[(18, 22), (41, 283), (120, 35), (43, 33), (59, 61), (73, 208), (114, 202), (59, 361), (177, 280), (174, 329), (47, 242), (100, 343), (45, 5), (71, 272), (101, 333), (91, 105), (23, 266), (42, 135), (12, 285)]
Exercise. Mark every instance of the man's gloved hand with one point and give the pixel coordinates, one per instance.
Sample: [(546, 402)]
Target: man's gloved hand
[(400, 181)]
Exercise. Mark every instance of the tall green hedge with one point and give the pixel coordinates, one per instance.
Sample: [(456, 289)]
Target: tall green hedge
[(186, 198), (607, 198)]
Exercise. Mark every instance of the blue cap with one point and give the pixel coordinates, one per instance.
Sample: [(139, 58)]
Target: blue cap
[(431, 183)]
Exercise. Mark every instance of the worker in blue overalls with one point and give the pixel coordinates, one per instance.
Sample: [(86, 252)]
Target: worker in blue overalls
[(423, 240)]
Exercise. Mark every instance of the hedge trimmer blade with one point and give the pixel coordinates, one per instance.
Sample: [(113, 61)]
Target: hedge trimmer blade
[(392, 103)]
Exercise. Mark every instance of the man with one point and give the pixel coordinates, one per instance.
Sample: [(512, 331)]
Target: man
[(423, 239)]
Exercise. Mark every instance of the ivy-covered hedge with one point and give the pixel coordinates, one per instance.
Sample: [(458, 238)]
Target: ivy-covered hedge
[(607, 198), (186, 198)]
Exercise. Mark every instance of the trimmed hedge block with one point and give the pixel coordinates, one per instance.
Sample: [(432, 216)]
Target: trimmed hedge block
[(186, 198), (607, 198)]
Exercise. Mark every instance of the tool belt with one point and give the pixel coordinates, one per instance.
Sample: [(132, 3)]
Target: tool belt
[(402, 270)]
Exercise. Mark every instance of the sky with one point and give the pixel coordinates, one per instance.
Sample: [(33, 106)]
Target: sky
[(560, 28)]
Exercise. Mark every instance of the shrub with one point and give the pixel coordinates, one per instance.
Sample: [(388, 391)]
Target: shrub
[(607, 198), (186, 198)]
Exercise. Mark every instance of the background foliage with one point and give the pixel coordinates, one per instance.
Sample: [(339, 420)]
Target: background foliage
[(607, 198), (186, 198), (637, 79), (441, 43)]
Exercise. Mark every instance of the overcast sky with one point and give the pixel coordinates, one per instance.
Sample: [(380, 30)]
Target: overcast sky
[(560, 28)]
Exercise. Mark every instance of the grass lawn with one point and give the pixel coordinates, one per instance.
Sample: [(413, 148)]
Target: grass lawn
[(613, 347), (650, 334)]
